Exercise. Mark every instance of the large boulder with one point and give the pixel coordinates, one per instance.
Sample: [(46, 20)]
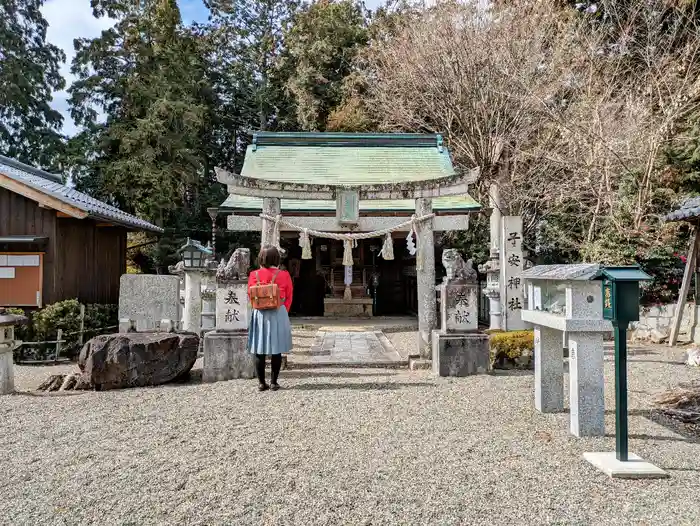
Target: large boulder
[(137, 359)]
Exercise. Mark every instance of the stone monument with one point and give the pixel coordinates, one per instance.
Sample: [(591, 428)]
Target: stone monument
[(146, 299), (7, 345), (562, 298), (511, 265), (225, 349), (458, 349)]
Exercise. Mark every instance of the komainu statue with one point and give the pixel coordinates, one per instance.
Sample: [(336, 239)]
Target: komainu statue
[(456, 268), (237, 266)]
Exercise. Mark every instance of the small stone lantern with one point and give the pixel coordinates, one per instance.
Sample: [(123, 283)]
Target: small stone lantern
[(196, 259), (7, 345), (195, 255)]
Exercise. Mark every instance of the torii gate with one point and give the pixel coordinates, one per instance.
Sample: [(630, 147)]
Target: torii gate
[(348, 220)]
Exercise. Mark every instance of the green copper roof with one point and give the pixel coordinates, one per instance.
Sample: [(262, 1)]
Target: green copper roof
[(241, 202), (347, 158)]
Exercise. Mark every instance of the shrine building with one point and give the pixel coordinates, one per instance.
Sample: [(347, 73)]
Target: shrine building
[(295, 186)]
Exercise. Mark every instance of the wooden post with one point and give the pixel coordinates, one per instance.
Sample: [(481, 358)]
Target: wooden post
[(683, 293), (59, 337), (82, 325)]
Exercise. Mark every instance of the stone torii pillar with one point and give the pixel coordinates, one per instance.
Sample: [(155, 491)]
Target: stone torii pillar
[(425, 278), (272, 207)]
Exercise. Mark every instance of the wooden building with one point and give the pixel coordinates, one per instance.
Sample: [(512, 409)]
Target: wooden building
[(57, 243)]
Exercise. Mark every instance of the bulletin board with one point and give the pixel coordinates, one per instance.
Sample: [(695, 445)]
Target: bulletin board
[(21, 279)]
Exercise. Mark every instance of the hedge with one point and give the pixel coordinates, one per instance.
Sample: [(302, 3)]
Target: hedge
[(512, 349)]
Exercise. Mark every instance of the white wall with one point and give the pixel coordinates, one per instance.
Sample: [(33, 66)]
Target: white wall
[(655, 324)]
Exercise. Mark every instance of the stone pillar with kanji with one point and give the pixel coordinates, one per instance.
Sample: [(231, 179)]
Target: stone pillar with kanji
[(458, 349), (512, 265), (225, 349)]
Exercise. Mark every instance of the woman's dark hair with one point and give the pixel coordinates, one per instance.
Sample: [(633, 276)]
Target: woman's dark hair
[(269, 256)]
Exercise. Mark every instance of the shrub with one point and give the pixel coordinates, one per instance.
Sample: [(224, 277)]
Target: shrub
[(65, 315), (512, 349)]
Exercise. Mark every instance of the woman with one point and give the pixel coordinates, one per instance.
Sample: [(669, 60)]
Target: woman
[(270, 333)]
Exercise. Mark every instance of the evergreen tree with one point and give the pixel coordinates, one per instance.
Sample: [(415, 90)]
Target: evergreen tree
[(322, 44), (150, 156), (29, 73)]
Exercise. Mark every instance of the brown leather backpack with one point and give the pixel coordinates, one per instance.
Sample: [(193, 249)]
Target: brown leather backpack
[(265, 296)]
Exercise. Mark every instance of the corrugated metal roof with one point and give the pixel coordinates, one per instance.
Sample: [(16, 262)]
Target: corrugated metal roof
[(346, 159), (241, 202), (49, 184), (689, 209)]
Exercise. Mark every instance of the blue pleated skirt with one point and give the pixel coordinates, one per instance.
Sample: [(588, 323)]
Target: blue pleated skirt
[(270, 332)]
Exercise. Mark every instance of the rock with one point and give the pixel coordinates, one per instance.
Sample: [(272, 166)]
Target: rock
[(52, 383), (69, 382), (137, 359), (693, 357), (656, 336)]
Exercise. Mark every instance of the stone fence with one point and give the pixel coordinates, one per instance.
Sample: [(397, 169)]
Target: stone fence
[(655, 324)]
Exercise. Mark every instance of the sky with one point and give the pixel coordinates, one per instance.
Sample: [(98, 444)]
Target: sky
[(70, 19)]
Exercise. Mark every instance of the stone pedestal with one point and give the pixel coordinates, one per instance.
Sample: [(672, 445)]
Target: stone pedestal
[(586, 384), (226, 356), (456, 354), (549, 370), (7, 345), (232, 308), (459, 306)]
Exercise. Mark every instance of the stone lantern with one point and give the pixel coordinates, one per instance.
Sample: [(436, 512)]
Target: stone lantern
[(7, 345), (196, 260)]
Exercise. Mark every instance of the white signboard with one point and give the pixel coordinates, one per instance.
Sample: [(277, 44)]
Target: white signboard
[(512, 263), (232, 307)]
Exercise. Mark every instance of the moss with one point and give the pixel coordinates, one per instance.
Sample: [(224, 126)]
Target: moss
[(513, 349)]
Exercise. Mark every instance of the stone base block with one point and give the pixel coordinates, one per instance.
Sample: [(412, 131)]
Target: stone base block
[(419, 364), (352, 308), (226, 357), (463, 354), (634, 468)]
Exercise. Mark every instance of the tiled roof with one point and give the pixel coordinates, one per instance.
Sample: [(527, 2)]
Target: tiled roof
[(50, 185), (346, 158), (689, 209), (241, 202)]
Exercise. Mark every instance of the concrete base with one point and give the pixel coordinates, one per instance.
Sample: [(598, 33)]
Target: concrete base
[(460, 354), (226, 357), (634, 468), (7, 375), (418, 364)]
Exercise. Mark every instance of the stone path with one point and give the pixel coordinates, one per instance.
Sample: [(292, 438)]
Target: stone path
[(348, 348)]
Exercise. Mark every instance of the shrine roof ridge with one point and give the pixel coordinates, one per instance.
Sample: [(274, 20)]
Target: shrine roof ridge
[(368, 140)]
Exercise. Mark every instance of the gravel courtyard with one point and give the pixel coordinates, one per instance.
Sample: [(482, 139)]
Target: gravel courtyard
[(335, 447)]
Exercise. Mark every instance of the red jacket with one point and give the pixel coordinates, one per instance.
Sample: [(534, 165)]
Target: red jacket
[(283, 280)]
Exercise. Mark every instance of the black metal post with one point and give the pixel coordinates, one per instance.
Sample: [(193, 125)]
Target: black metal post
[(621, 423)]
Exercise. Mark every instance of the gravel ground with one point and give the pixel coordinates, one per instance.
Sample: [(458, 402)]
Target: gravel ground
[(335, 447)]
